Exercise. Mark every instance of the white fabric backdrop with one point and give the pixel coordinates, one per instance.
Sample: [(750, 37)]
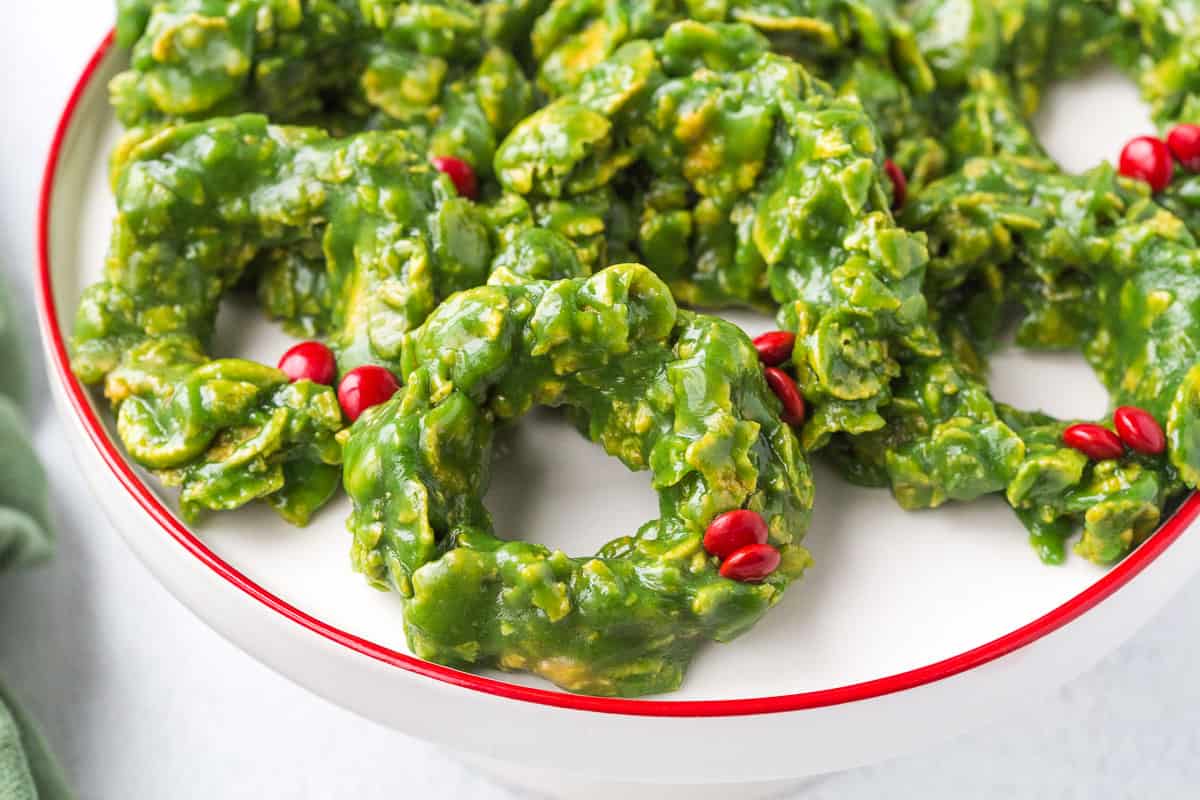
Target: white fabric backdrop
[(142, 701)]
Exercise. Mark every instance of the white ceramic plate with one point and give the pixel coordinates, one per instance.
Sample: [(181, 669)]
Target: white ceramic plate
[(911, 626)]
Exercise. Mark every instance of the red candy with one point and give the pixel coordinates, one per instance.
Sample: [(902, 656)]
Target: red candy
[(461, 173), (1184, 143), (310, 361), (751, 564), (1094, 441), (1147, 158), (364, 387), (1140, 430), (734, 530), (774, 347), (785, 389), (899, 184)]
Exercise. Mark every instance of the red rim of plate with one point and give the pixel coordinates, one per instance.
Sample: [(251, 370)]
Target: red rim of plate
[(1114, 579)]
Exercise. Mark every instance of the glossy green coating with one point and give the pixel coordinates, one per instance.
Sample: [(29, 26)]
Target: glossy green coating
[(359, 237), (1182, 198), (668, 391)]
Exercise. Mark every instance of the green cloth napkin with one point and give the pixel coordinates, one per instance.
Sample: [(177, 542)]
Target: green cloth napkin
[(27, 770), (24, 495), (24, 499)]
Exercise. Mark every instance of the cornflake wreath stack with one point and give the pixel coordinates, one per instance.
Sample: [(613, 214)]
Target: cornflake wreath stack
[(436, 191)]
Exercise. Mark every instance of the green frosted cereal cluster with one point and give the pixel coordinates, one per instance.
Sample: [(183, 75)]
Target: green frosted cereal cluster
[(359, 237), (675, 393), (446, 67)]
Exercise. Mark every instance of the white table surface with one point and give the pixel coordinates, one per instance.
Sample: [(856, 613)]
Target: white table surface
[(142, 701)]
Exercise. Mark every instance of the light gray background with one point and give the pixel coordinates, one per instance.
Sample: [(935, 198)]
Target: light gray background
[(142, 701)]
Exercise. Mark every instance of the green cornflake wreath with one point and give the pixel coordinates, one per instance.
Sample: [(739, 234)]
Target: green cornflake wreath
[(356, 238), (676, 393)]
